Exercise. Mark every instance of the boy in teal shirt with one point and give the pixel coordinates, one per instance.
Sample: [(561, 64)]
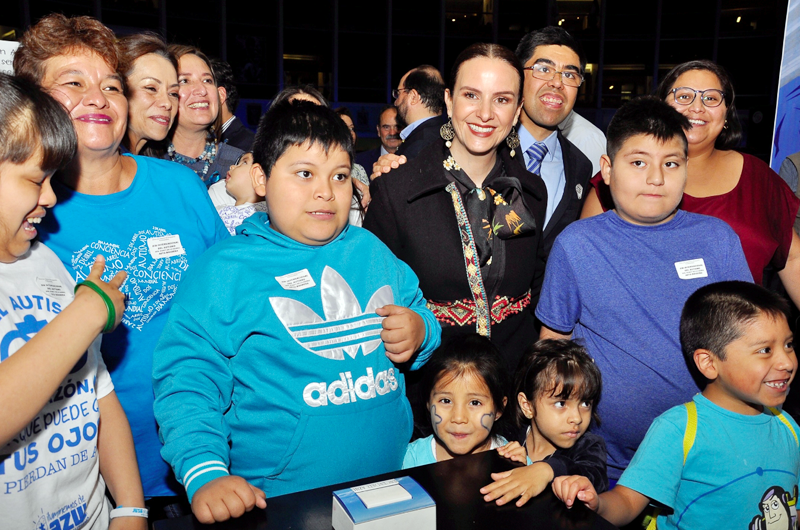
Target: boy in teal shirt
[(729, 457)]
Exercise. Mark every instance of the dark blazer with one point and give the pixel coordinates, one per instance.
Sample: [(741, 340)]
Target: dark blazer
[(427, 132), (413, 214), (368, 158), (239, 136), (577, 172)]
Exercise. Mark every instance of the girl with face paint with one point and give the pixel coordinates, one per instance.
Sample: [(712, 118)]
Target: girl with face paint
[(465, 386)]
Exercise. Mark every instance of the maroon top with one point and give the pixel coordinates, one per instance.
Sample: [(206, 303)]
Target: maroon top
[(761, 209)]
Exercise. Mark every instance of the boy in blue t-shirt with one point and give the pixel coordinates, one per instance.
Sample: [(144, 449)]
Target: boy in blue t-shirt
[(729, 458), (618, 281)]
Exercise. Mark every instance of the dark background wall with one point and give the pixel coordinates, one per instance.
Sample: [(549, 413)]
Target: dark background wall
[(355, 51)]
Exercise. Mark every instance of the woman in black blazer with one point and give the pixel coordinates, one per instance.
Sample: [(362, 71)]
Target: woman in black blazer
[(464, 215)]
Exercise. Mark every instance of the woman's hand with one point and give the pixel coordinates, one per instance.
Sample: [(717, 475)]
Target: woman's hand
[(111, 289), (403, 332), (364, 190)]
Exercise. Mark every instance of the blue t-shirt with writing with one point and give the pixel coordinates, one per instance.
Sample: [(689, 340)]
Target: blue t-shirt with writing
[(154, 230), (620, 289)]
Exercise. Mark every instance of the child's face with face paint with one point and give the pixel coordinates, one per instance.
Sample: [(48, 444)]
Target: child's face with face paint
[(462, 414)]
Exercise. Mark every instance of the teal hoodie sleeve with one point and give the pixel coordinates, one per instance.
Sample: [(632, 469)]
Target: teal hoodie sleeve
[(193, 386), (413, 299)]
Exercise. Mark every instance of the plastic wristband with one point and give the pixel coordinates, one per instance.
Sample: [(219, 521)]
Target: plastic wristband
[(112, 314), (122, 511)]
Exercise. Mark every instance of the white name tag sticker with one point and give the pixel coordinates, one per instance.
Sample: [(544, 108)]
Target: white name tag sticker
[(52, 287), (165, 246), (296, 281), (691, 269)]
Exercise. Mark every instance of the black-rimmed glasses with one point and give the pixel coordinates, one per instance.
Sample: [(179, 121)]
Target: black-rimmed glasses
[(545, 72), (710, 97), (396, 92)]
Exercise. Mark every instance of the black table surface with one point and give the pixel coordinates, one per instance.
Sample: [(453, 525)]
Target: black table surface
[(454, 486)]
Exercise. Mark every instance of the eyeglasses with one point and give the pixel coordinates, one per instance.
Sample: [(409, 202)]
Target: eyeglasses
[(545, 72), (710, 97), (396, 92)]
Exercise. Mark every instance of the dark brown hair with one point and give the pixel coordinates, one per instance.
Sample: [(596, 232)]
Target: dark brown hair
[(490, 51), (731, 135), (557, 368), (178, 51), (30, 119), (132, 47), (57, 35)]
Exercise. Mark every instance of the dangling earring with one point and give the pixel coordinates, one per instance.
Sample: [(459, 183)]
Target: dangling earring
[(726, 125), (447, 133), (512, 140)]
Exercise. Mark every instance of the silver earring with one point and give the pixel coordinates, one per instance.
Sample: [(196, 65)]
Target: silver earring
[(447, 133)]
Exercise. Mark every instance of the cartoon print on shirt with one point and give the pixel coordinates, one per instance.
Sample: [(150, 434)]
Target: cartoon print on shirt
[(778, 510), (155, 261)]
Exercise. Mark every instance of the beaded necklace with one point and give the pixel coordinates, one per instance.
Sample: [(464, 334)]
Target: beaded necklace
[(207, 156)]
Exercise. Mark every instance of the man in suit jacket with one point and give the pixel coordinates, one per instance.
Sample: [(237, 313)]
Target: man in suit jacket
[(388, 132), (554, 65), (419, 99), (233, 130)]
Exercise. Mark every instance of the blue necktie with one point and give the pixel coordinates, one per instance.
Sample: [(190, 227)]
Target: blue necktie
[(536, 154)]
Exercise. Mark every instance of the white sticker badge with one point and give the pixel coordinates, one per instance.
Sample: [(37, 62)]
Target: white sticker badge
[(691, 269), (52, 287), (296, 281), (165, 246)]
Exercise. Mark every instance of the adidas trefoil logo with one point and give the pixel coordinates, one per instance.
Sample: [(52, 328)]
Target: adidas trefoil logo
[(345, 328)]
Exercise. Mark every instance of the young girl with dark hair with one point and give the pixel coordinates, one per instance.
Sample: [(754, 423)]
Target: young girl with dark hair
[(557, 388), (465, 386)]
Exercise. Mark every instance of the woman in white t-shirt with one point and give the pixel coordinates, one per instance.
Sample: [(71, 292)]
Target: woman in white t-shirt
[(53, 384)]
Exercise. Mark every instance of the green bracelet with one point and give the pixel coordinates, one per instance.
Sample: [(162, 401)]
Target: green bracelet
[(112, 314)]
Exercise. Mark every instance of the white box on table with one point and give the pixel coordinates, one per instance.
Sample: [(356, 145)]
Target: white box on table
[(396, 504)]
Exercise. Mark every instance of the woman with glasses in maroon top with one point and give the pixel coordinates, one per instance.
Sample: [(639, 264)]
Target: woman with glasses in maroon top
[(738, 188)]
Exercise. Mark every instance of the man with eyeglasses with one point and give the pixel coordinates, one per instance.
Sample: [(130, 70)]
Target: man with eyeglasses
[(554, 63), (419, 98), (388, 132)]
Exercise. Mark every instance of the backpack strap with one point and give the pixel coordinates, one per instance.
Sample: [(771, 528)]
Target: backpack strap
[(778, 414), (691, 428), (688, 441)]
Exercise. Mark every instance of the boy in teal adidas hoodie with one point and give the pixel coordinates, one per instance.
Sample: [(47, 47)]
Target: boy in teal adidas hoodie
[(278, 369)]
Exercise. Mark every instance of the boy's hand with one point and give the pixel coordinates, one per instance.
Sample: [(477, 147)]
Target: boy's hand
[(226, 497), (385, 164), (569, 488), (128, 523), (403, 332), (514, 452), (111, 289), (523, 482)]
